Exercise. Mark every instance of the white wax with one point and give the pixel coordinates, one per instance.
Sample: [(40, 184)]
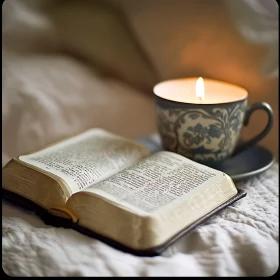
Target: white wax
[(184, 90)]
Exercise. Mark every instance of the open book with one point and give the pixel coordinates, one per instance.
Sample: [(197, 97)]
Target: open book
[(115, 189)]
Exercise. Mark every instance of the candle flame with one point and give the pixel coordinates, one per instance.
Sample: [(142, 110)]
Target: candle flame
[(200, 88)]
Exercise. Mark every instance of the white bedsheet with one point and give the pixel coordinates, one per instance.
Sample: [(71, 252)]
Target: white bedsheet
[(241, 240)]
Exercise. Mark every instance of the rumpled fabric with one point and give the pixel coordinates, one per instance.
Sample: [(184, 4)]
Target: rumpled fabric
[(258, 22), (242, 240)]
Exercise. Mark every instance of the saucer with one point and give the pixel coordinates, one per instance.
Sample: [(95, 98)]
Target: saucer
[(244, 165)]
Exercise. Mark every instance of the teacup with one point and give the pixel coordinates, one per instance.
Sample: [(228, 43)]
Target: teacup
[(206, 131)]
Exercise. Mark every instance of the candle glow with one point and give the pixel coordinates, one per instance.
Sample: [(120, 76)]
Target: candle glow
[(200, 88)]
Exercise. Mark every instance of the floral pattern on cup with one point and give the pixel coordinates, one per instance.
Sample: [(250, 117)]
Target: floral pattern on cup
[(204, 133)]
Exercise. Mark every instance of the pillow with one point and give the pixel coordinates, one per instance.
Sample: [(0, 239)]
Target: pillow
[(49, 97), (93, 31), (96, 32), (26, 27)]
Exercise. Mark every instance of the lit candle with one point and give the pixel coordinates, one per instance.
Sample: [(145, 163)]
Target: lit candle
[(199, 91)]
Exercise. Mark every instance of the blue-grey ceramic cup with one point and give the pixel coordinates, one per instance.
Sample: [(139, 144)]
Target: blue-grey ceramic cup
[(206, 133)]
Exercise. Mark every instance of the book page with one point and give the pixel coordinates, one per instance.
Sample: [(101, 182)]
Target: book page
[(156, 181), (88, 158)]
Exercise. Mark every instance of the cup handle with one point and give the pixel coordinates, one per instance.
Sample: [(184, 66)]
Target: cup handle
[(256, 106)]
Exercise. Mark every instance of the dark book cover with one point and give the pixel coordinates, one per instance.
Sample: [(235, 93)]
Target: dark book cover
[(55, 221)]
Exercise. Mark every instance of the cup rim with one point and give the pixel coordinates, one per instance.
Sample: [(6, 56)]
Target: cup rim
[(200, 104), (245, 97)]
